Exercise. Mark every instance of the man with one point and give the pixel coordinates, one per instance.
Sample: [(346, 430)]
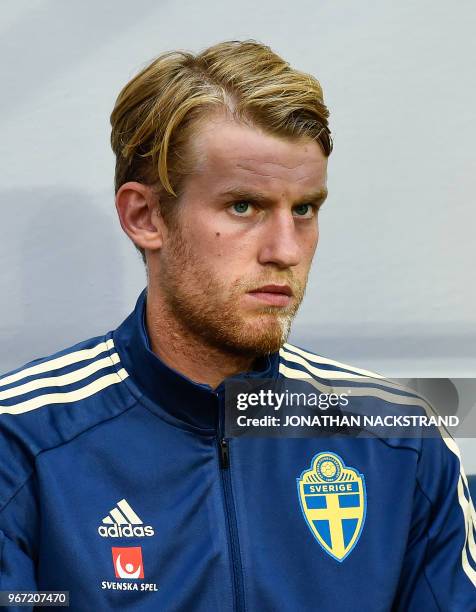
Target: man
[(118, 481)]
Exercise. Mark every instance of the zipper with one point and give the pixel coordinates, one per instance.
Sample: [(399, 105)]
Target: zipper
[(230, 516), (224, 454)]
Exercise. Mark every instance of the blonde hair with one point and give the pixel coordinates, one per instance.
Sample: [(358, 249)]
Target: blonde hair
[(154, 115)]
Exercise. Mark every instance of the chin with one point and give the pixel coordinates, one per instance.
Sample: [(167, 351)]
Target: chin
[(261, 336)]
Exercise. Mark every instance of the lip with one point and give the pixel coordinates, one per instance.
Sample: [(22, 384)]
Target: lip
[(274, 295), (281, 289)]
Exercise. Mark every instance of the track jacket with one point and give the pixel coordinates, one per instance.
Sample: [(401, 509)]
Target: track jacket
[(117, 485)]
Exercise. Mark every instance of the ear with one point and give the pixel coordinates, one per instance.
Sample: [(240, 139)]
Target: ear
[(138, 210)]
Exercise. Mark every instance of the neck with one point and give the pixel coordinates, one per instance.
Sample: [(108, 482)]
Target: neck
[(187, 353)]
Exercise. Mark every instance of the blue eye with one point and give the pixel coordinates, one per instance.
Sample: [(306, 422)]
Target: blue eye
[(241, 207), (304, 210)]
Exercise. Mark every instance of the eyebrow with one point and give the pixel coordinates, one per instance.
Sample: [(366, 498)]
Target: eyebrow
[(315, 197)]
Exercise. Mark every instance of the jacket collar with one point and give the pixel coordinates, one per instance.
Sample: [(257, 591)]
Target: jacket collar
[(190, 402)]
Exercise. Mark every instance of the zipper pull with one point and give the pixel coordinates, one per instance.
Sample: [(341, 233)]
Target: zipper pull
[(224, 454)]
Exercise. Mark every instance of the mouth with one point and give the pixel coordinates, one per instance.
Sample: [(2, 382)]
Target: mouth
[(273, 295)]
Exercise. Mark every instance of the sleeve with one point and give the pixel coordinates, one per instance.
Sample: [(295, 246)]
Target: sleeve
[(439, 567), (16, 567), (17, 572), (19, 515)]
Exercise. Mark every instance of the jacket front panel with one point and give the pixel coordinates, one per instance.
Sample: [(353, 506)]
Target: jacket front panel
[(168, 477), (283, 563), (172, 478)]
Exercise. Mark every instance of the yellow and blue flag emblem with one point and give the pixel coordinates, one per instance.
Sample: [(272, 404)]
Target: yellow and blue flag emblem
[(333, 500)]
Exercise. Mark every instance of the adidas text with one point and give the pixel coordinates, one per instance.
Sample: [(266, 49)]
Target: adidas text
[(125, 531)]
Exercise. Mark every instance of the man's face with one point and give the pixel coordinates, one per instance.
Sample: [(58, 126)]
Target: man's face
[(234, 268)]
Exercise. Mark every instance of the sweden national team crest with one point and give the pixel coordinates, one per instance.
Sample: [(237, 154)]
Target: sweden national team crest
[(334, 501)]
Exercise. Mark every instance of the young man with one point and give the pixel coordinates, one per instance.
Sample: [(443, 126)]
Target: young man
[(118, 483)]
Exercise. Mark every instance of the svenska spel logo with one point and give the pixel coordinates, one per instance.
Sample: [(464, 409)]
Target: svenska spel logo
[(128, 562)]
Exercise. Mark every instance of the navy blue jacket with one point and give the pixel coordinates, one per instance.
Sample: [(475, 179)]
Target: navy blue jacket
[(118, 485)]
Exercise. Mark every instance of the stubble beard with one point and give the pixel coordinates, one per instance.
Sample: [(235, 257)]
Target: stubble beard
[(208, 310)]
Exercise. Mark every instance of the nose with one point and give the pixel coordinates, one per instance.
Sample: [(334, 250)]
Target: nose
[(279, 243)]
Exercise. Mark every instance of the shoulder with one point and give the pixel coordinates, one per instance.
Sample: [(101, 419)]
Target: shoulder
[(365, 388), (294, 358), (68, 376), (386, 409), (364, 385), (50, 401), (331, 375)]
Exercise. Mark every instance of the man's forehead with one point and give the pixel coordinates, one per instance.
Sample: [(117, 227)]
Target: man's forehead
[(232, 152)]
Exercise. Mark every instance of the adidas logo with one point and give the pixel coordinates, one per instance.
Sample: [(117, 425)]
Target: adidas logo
[(123, 522)]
